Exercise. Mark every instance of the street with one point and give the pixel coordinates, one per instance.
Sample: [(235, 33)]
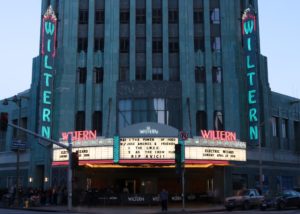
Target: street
[(142, 210)]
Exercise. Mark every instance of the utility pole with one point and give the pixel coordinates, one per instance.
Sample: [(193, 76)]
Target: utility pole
[(260, 159), (70, 173)]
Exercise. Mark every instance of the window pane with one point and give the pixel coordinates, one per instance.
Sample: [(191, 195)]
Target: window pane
[(274, 129), (215, 16), (124, 113)]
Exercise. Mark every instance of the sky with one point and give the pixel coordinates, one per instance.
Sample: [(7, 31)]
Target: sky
[(279, 38)]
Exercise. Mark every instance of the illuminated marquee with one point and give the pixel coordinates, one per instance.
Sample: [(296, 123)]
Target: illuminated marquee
[(250, 49), (85, 153), (215, 153), (80, 135), (199, 148), (47, 72), (218, 135), (147, 148)]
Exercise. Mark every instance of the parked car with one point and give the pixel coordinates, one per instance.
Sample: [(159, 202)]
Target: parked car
[(288, 198), (245, 199)]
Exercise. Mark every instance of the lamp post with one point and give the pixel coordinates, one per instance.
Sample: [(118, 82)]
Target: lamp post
[(18, 101), (260, 154)]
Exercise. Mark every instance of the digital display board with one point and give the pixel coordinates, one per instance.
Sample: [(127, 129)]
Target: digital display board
[(147, 148)]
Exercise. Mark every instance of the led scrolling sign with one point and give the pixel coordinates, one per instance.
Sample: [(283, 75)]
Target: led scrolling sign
[(47, 71), (250, 50)]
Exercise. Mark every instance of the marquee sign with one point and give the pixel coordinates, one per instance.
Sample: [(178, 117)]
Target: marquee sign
[(47, 72), (250, 49), (215, 153), (85, 153), (147, 148)]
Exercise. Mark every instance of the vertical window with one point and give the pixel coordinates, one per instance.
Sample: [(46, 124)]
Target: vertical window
[(125, 113), (15, 131), (139, 113), (174, 73), (157, 74), (201, 122), (217, 74), (140, 16), (83, 16), (97, 122), (173, 16), (82, 44), (157, 110), (199, 43), (124, 16), (218, 121), (124, 73), (216, 43), (156, 16), (80, 121), (274, 122), (297, 135), (157, 45), (99, 44), (200, 76), (173, 45), (159, 107), (140, 44), (198, 16), (140, 73), (284, 125), (124, 45), (98, 75), (23, 124), (99, 17), (82, 75), (215, 16)]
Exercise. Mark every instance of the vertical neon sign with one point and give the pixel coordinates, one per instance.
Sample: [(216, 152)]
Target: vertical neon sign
[(47, 72), (250, 50)]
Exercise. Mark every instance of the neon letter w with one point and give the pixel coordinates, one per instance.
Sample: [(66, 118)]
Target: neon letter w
[(248, 26), (49, 27)]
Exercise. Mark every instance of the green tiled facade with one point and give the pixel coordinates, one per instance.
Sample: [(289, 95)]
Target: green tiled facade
[(158, 70)]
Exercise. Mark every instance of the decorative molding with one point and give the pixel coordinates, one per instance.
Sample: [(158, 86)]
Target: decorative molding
[(50, 13)]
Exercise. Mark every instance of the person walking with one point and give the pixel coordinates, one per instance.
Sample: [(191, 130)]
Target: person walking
[(164, 195)]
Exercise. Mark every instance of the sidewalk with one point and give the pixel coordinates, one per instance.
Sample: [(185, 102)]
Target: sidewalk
[(133, 209)]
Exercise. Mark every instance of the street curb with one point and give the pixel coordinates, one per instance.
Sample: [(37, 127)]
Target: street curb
[(75, 211)]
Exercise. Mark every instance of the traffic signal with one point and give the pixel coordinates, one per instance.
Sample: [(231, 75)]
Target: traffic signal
[(75, 160), (3, 121), (178, 155)]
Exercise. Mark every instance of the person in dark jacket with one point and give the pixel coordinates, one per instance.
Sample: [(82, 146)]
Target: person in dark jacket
[(164, 195)]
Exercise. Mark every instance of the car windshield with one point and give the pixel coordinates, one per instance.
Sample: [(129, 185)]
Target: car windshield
[(243, 192)]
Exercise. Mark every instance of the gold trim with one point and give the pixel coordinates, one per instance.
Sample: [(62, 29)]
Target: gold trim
[(50, 12)]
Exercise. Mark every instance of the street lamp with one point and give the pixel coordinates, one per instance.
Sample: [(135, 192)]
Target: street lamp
[(18, 101)]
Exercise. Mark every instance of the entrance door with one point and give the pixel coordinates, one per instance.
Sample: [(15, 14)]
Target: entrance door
[(130, 186), (148, 186)]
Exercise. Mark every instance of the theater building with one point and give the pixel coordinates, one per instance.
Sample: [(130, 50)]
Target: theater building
[(129, 79)]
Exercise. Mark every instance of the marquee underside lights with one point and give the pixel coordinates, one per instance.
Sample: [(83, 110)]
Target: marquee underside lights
[(148, 145)]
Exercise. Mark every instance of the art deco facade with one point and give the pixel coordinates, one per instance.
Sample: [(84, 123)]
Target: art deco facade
[(173, 62)]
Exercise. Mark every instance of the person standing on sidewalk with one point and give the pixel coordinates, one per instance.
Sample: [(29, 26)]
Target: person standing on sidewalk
[(164, 195)]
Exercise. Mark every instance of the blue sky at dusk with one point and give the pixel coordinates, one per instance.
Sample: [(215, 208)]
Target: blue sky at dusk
[(279, 37)]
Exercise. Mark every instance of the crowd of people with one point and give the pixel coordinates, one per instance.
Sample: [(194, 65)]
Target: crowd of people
[(35, 197)]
